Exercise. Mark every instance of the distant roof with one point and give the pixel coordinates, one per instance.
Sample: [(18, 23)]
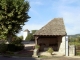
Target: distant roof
[(26, 30), (54, 27)]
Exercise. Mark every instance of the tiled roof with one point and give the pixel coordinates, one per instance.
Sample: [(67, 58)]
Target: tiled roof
[(54, 27), (26, 30)]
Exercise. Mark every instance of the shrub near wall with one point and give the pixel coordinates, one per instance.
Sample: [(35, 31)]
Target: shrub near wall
[(3, 48), (50, 50), (11, 47), (14, 46), (18, 45)]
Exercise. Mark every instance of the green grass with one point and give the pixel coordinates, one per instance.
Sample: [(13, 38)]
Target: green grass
[(49, 57), (43, 56)]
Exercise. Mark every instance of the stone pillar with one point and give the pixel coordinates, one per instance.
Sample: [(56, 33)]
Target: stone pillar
[(36, 38), (62, 46), (35, 53)]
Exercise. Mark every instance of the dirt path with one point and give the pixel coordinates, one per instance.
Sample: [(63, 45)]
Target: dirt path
[(60, 58), (28, 50)]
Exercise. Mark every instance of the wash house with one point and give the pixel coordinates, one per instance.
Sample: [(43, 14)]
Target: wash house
[(52, 35)]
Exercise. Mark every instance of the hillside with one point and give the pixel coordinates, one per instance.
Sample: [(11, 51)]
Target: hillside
[(74, 36)]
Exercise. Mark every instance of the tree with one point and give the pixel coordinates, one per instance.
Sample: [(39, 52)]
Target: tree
[(33, 31), (13, 14), (30, 35)]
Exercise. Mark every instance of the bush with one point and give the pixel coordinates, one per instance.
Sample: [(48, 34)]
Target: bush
[(11, 47), (37, 46), (9, 52), (50, 50), (15, 48), (19, 47), (3, 48), (16, 42)]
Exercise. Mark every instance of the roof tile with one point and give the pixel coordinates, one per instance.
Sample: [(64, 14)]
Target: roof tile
[(54, 27)]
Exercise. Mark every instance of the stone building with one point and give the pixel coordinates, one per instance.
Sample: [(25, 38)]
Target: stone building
[(52, 35)]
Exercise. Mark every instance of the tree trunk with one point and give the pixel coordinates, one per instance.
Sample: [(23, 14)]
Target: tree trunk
[(9, 38)]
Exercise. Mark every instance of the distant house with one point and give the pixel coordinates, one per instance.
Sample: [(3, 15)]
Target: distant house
[(52, 35)]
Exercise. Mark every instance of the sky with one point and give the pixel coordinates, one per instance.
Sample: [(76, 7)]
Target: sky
[(43, 11)]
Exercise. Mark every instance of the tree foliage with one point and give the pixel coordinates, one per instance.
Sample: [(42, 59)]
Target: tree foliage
[(13, 14), (30, 35), (74, 40)]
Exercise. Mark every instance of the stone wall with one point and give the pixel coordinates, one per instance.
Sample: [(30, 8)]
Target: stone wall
[(71, 50), (59, 40), (62, 46)]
